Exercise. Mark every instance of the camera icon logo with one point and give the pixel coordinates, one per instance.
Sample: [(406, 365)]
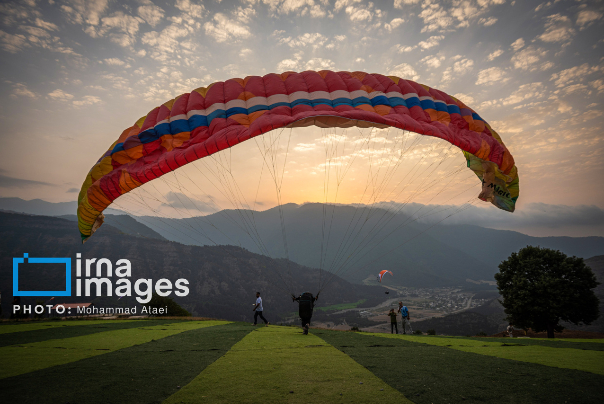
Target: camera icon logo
[(25, 260)]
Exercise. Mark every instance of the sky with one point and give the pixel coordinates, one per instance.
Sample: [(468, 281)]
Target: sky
[(75, 73)]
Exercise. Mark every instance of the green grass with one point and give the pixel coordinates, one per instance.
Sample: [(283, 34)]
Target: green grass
[(81, 328), (342, 306), (19, 359), (217, 361), (437, 374), (6, 327), (145, 373), (569, 358), (589, 344), (272, 361)]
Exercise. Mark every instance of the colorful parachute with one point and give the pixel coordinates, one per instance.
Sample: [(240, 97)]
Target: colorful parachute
[(381, 275), (210, 119)]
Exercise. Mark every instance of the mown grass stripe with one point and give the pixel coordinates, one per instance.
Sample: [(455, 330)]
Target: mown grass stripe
[(569, 358), (28, 337), (146, 373), (19, 359), (272, 361), (436, 374), (6, 327), (586, 344)]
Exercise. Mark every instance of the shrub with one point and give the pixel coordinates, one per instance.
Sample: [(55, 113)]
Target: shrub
[(481, 334), (431, 332), (354, 328), (417, 332)]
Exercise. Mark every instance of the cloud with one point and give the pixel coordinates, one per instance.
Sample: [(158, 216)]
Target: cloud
[(13, 43), (424, 45), (465, 98), (21, 90), (525, 92), (46, 25), (529, 58), (572, 75), (151, 13), (85, 11), (179, 200), (487, 22), (404, 71), (114, 62), (315, 40), (73, 190), (87, 100), (495, 54), (586, 17), (168, 41), (518, 44), (190, 8), (303, 147), (121, 28), (557, 29), (393, 24), (60, 95), (223, 29), (598, 85), (430, 42), (320, 64), (399, 3), (433, 61), (491, 75), (12, 182)]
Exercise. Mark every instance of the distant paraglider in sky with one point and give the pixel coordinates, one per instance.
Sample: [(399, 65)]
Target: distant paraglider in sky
[(382, 273)]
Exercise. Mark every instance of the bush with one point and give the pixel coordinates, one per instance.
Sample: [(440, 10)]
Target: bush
[(481, 334), (431, 332), (417, 332), (354, 328)]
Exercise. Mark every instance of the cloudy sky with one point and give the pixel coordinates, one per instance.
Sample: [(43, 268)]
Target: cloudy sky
[(75, 73)]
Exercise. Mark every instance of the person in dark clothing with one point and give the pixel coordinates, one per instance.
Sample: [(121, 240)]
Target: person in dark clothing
[(306, 304), (393, 324)]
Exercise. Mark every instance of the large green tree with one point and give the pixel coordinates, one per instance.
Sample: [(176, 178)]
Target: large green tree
[(541, 287)]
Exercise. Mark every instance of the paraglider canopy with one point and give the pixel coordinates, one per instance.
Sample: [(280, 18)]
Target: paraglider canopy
[(381, 275), (210, 119)]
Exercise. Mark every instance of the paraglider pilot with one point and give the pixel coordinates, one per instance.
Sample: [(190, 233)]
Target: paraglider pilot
[(306, 304)]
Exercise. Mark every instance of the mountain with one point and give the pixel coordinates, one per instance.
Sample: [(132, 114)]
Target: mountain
[(356, 243), (126, 224), (493, 246), (419, 255), (223, 280), (38, 206)]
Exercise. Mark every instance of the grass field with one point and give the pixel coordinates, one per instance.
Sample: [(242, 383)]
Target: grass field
[(220, 362), (342, 306)]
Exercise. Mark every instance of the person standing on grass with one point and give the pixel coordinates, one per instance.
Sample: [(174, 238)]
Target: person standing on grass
[(258, 310), (393, 323), (510, 330), (405, 317), (306, 304)]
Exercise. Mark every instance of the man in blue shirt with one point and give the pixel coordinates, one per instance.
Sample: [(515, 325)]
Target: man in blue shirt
[(405, 316), (258, 310)]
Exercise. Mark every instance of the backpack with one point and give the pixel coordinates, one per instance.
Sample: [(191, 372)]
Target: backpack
[(404, 312), (307, 303)]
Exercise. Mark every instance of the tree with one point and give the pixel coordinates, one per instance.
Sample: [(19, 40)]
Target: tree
[(541, 287), (173, 308)]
